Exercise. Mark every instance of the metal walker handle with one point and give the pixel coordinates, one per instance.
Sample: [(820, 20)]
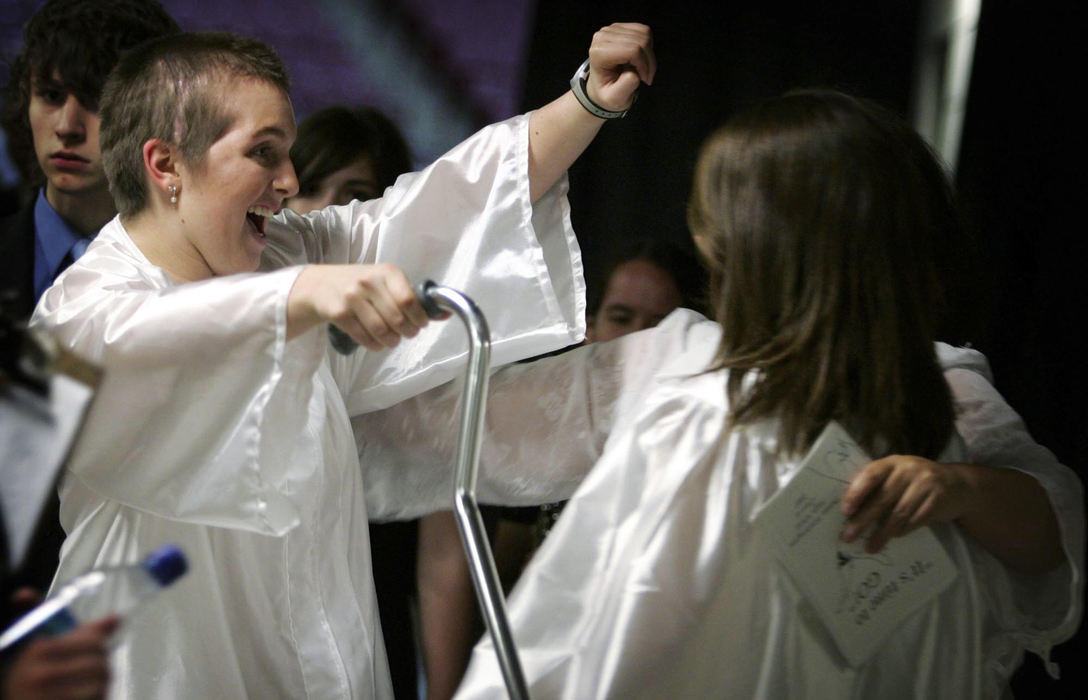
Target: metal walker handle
[(436, 300)]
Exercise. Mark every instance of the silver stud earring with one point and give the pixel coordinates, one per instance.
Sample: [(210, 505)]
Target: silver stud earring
[(173, 194)]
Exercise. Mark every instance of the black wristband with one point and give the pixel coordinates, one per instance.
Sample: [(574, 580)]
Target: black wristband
[(578, 87)]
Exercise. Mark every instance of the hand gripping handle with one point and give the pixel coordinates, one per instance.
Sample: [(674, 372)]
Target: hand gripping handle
[(343, 343)]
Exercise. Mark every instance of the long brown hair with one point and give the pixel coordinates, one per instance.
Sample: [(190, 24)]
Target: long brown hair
[(824, 219)]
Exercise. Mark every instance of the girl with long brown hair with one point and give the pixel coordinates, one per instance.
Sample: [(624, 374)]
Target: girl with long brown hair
[(830, 232)]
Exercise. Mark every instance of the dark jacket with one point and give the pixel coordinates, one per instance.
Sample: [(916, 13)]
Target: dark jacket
[(17, 279), (17, 260)]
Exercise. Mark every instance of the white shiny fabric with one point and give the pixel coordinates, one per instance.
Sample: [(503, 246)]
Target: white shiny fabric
[(653, 584), (212, 431)]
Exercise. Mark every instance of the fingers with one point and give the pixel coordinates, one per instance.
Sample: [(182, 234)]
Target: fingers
[(379, 307), (400, 302), (868, 479), (870, 496), (893, 522), (621, 58), (74, 665), (78, 677), (374, 304), (893, 496), (90, 637), (625, 44)]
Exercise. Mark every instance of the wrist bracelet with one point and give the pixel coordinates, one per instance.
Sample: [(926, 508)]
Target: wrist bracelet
[(578, 87)]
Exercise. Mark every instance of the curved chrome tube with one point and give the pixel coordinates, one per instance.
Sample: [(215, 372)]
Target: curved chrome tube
[(473, 535), (436, 300)]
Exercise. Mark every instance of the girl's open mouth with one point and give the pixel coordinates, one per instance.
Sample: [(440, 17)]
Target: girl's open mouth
[(256, 216)]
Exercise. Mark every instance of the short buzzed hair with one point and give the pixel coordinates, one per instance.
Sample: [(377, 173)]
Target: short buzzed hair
[(167, 90), (80, 41)]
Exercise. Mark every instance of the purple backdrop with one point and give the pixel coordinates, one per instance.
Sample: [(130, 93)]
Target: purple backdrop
[(440, 68)]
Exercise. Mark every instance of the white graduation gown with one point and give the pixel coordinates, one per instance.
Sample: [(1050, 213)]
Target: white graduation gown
[(652, 583), (212, 431)]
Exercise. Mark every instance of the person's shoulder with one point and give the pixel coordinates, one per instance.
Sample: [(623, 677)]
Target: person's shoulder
[(113, 255), (952, 357), (688, 339), (683, 346), (112, 262)]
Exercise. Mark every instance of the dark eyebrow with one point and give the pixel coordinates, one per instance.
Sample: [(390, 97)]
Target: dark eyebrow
[(48, 84)]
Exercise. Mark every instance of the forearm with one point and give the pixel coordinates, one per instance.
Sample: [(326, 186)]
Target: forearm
[(621, 58), (558, 133), (447, 605), (1031, 492), (1007, 511), (1009, 514)]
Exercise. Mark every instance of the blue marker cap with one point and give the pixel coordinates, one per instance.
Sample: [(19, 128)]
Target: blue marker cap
[(166, 564)]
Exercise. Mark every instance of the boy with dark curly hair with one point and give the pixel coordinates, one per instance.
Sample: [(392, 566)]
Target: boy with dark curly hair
[(50, 115)]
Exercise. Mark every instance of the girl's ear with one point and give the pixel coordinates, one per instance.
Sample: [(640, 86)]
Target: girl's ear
[(591, 332), (161, 163)]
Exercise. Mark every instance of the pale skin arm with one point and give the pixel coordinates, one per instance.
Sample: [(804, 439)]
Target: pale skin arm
[(447, 604), (620, 59), (375, 304), (1005, 510)]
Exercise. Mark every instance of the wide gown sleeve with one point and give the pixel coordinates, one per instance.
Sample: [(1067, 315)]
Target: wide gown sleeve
[(546, 422), (1044, 609), (465, 222), (196, 416)]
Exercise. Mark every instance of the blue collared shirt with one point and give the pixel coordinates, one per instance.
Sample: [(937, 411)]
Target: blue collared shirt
[(53, 238)]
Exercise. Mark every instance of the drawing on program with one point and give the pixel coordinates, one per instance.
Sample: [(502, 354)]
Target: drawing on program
[(856, 580)]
